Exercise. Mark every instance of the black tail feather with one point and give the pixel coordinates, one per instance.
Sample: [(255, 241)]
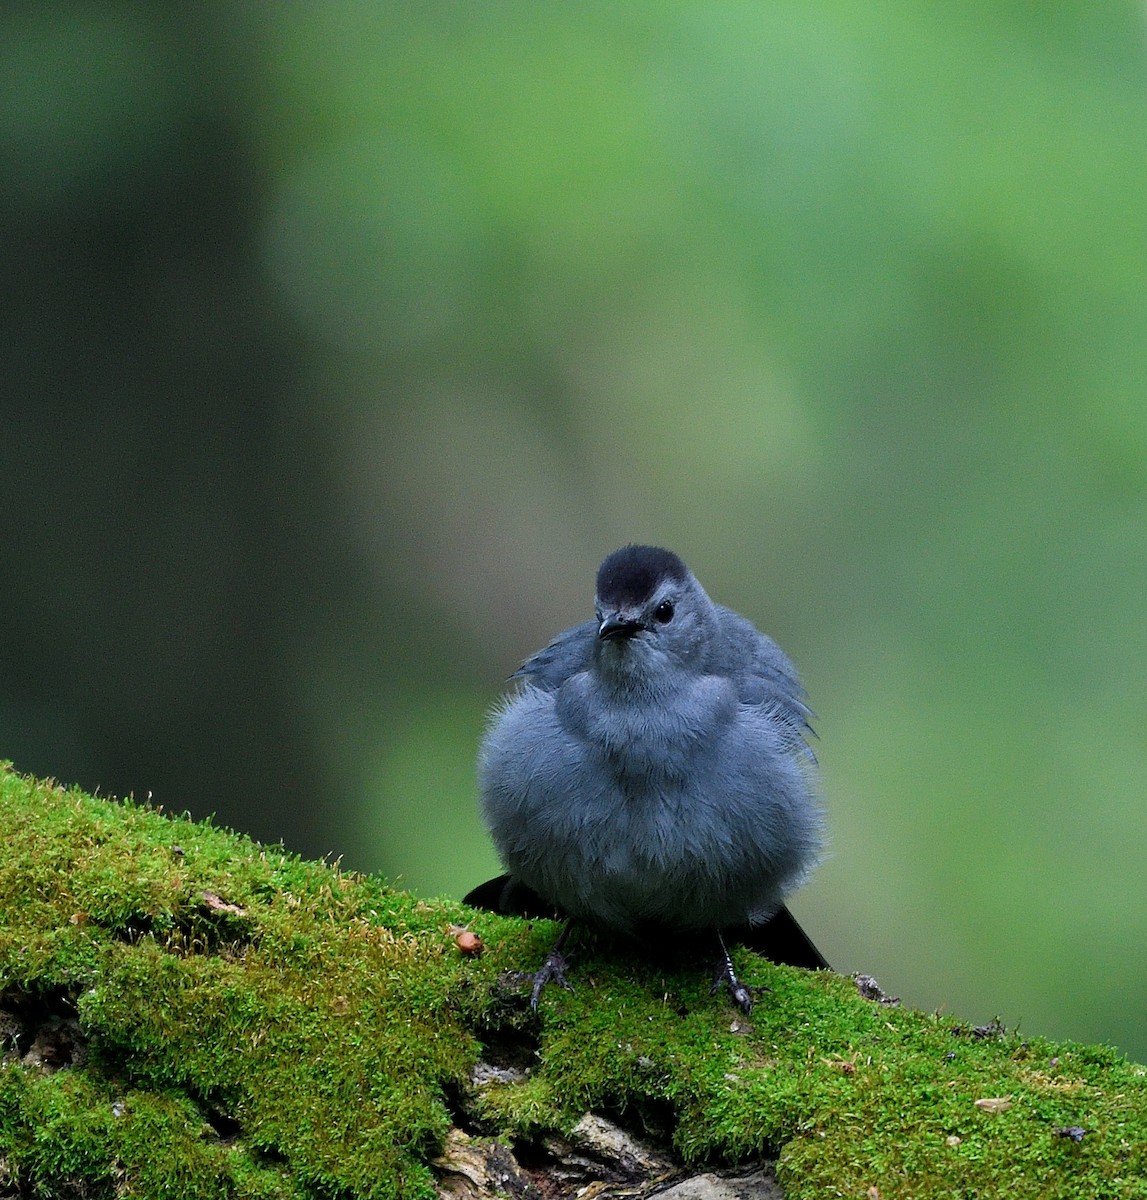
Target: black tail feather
[(780, 939)]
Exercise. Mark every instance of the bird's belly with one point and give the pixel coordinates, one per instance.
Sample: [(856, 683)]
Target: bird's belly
[(662, 855)]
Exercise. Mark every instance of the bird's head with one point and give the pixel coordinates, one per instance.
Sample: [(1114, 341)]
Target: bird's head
[(650, 607)]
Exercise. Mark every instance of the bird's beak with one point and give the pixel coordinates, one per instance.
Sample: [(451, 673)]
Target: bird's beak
[(615, 625)]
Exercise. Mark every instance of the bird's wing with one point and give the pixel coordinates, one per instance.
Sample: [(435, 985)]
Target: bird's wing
[(761, 670), (566, 655)]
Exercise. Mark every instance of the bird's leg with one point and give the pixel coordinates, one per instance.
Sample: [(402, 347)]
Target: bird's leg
[(553, 970), (725, 976)]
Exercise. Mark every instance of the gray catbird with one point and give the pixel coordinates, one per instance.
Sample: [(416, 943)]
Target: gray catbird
[(653, 772)]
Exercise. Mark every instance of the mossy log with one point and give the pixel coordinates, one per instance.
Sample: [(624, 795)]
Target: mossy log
[(186, 1013)]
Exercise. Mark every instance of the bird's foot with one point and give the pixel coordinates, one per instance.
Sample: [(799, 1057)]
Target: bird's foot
[(725, 977), (551, 971)]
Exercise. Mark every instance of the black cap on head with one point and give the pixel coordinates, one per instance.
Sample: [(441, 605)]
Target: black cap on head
[(629, 576)]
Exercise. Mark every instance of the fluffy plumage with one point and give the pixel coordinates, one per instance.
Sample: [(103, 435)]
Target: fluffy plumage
[(653, 767)]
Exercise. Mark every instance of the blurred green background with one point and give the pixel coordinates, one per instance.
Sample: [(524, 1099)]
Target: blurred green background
[(339, 342)]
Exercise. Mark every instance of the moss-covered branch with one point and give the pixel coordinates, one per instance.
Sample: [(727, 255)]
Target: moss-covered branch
[(185, 1013)]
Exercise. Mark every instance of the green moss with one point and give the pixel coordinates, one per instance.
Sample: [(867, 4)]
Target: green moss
[(80, 1137), (233, 1021), (303, 1008)]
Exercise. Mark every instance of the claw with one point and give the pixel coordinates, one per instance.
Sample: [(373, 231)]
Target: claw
[(553, 970)]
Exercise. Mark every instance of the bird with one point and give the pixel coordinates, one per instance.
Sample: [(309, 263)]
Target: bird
[(652, 771)]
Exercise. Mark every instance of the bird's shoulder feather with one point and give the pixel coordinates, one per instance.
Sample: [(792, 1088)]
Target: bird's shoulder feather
[(565, 655), (760, 669)]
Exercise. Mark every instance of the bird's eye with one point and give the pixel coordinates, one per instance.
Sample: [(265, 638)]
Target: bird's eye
[(663, 612)]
